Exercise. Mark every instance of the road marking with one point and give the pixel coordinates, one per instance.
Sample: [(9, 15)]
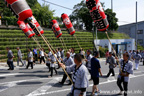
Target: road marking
[(6, 86), (19, 81), (68, 89), (5, 75), (44, 88)]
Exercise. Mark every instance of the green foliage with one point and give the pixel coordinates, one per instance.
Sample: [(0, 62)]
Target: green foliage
[(102, 51), (43, 14), (81, 15), (111, 16), (15, 38), (139, 47), (10, 20)]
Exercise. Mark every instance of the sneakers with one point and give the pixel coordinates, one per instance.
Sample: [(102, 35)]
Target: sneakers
[(121, 93)]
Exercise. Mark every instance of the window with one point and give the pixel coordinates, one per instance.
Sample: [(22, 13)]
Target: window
[(140, 31), (140, 41)]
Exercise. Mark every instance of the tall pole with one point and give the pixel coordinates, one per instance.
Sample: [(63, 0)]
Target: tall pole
[(112, 5), (136, 28), (44, 2), (96, 35)]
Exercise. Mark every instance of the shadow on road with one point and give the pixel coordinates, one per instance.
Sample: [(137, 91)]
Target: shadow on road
[(2, 77), (29, 83)]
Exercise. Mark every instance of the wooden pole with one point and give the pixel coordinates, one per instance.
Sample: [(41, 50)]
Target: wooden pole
[(113, 50), (52, 51), (79, 46)]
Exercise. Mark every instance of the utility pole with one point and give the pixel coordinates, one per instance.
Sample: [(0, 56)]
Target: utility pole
[(44, 2), (136, 27), (112, 5)]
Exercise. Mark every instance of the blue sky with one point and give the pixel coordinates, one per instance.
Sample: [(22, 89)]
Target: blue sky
[(125, 9)]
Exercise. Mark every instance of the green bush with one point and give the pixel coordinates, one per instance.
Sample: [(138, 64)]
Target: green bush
[(102, 51)]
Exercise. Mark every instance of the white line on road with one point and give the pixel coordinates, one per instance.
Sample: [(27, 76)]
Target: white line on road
[(44, 88), (68, 89), (36, 79), (6, 86), (11, 74)]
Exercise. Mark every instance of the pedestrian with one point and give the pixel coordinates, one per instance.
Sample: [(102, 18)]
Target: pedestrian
[(130, 55), (72, 53), (42, 56), (19, 56), (143, 57), (120, 53), (137, 58), (47, 59), (112, 64), (88, 60), (141, 53), (68, 61), (53, 63), (35, 55), (123, 77), (82, 52), (62, 53), (79, 77), (107, 54), (95, 71), (58, 56), (30, 59), (10, 59)]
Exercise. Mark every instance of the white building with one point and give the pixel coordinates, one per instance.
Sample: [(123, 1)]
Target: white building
[(123, 44)]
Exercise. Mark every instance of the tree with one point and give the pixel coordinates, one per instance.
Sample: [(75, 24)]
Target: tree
[(43, 14), (111, 16), (81, 15)]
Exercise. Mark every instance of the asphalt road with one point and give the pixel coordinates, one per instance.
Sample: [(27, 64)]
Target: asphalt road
[(35, 82)]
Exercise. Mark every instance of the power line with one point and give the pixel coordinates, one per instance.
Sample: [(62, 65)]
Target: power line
[(57, 5)]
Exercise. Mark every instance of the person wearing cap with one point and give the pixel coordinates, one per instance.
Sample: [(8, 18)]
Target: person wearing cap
[(88, 60), (19, 55), (10, 59), (95, 71), (112, 64), (123, 77), (68, 62), (79, 76), (30, 59)]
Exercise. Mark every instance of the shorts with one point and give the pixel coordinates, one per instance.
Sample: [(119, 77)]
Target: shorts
[(95, 80)]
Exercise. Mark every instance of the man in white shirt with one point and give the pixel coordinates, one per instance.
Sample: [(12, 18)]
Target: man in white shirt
[(68, 62)]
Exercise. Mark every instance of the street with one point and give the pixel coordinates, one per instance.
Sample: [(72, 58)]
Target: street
[(35, 82)]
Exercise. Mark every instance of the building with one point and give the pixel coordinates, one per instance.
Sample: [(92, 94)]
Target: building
[(123, 44), (130, 29)]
